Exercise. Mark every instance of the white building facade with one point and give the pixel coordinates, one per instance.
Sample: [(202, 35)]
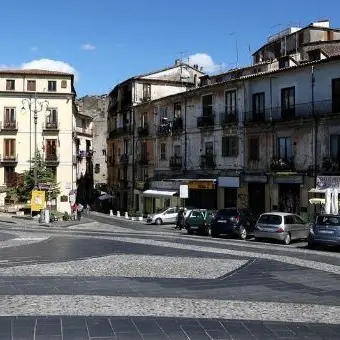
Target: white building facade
[(51, 94)]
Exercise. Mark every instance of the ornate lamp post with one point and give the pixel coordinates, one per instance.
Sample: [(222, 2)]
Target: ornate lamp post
[(35, 106)]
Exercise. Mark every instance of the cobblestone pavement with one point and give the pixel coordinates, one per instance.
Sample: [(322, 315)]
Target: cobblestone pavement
[(111, 278)]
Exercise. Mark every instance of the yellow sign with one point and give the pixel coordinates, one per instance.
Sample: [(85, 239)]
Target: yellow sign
[(38, 200), (201, 185)]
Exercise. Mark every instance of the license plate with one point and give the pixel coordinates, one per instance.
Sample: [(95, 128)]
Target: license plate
[(221, 221), (326, 231)]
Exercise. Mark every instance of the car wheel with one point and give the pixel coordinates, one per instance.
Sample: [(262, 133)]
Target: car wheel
[(159, 221), (189, 231), (310, 245), (287, 239), (242, 233)]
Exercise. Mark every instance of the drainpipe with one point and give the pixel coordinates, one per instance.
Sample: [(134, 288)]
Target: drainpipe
[(273, 140), (133, 156), (315, 132), (185, 135)]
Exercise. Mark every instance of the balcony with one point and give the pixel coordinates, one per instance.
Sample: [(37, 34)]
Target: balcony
[(228, 118), (143, 159), (9, 159), (50, 127), (256, 117), (124, 159), (175, 162), (84, 131), (120, 131), (51, 158), (207, 161), (9, 126), (177, 125), (143, 131), (282, 165), (205, 121), (164, 129)]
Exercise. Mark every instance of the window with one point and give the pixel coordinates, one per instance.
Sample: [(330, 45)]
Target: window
[(270, 219), (146, 91), (9, 175), (314, 55), (9, 115), (10, 84), (285, 148), (143, 150), (31, 85), (163, 151), (336, 95), (177, 150), (9, 148), (53, 117), (258, 103), (207, 105), (254, 151), (209, 148), (287, 101), (177, 110), (126, 146), (144, 119), (335, 147), (51, 147), (230, 103), (289, 219), (284, 62), (52, 86), (230, 146), (83, 123)]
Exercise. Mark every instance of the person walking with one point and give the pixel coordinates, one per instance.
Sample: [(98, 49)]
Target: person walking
[(180, 219)]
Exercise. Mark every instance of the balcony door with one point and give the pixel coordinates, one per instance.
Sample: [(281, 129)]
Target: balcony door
[(53, 117), (285, 148), (336, 95), (51, 148), (9, 148), (230, 103), (207, 105)]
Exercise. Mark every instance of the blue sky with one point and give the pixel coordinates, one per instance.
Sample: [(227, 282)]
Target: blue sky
[(107, 41)]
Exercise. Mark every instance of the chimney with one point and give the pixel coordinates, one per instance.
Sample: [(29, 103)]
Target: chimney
[(177, 62), (195, 66)]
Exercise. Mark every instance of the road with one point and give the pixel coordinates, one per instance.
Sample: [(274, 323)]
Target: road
[(110, 278)]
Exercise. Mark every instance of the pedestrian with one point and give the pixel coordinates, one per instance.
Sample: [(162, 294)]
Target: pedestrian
[(74, 210), (180, 219)]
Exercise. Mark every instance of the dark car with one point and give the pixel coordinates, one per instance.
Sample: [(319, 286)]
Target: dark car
[(199, 221), (325, 231), (234, 222)]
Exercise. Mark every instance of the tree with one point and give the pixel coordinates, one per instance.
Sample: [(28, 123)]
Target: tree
[(44, 175)]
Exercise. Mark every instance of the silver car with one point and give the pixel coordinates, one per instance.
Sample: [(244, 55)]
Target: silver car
[(166, 216), (281, 226)]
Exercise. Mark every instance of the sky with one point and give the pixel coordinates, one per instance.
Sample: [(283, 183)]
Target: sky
[(104, 42)]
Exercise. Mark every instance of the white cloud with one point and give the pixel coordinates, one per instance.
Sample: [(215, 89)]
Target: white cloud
[(51, 65), (88, 47), (206, 61)]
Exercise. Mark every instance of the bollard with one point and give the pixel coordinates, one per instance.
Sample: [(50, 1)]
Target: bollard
[(111, 213), (126, 214), (118, 213)]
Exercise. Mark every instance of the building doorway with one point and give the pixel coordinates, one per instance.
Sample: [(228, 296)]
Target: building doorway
[(257, 197), (230, 197), (289, 198)]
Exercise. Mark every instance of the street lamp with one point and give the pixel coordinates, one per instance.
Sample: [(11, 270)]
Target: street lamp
[(35, 106)]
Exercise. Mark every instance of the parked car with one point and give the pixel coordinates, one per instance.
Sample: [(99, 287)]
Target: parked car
[(166, 216), (281, 226), (199, 221), (234, 222), (324, 231)]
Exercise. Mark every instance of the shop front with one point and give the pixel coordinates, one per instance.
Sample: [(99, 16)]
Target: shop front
[(160, 195), (202, 194), (228, 191), (255, 195), (287, 194)]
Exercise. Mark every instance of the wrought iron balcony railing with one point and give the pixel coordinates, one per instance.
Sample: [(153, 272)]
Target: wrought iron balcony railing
[(207, 161)]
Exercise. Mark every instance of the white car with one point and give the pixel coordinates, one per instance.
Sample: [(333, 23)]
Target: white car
[(167, 216)]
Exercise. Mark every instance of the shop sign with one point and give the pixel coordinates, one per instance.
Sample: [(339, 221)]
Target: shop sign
[(166, 185), (229, 182), (325, 182), (184, 191), (201, 185), (254, 179), (140, 185), (289, 179)]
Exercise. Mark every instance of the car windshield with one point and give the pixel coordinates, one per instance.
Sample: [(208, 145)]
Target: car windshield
[(328, 220), (227, 212), (270, 219)]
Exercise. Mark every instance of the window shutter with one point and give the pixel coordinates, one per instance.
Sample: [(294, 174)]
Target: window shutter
[(234, 145), (225, 146)]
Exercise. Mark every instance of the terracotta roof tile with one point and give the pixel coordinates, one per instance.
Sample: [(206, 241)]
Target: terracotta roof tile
[(35, 72)]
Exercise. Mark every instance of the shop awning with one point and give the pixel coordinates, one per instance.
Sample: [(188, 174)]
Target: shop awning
[(317, 191), (159, 193)]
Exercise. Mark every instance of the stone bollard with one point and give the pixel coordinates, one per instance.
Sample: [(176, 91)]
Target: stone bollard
[(118, 213), (126, 215), (111, 213)]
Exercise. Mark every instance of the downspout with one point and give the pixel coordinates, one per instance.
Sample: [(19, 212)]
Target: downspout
[(273, 140), (133, 147), (185, 135), (315, 133)]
